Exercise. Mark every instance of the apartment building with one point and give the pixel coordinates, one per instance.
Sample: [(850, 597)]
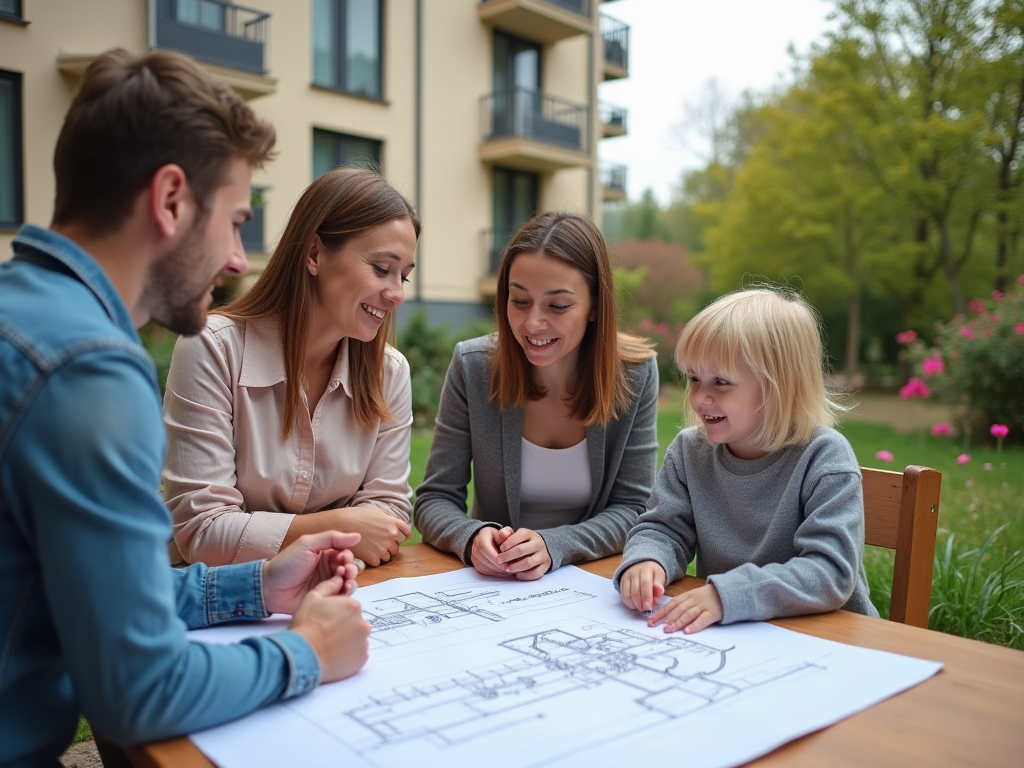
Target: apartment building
[(481, 111)]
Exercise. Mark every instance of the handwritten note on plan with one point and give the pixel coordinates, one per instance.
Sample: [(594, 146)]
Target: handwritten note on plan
[(467, 671)]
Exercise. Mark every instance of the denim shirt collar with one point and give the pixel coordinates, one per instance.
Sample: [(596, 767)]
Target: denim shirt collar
[(34, 240)]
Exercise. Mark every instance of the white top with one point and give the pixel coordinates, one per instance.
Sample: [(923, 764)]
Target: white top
[(556, 485)]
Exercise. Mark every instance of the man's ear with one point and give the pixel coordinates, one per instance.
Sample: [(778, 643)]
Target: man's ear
[(170, 199), (313, 255)]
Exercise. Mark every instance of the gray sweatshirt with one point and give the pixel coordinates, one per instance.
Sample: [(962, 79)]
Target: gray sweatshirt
[(782, 535)]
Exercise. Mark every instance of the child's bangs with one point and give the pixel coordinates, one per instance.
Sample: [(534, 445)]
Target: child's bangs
[(709, 348)]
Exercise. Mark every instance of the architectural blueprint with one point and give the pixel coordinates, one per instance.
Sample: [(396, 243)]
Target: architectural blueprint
[(558, 673)]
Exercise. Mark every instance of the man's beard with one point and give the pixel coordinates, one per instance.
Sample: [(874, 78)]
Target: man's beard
[(176, 298)]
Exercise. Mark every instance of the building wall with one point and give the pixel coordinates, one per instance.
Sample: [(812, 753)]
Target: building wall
[(447, 180)]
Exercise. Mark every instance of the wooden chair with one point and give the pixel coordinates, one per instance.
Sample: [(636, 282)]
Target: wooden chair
[(901, 512)]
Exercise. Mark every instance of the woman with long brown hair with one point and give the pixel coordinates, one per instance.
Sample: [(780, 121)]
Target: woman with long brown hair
[(554, 417), (291, 413)]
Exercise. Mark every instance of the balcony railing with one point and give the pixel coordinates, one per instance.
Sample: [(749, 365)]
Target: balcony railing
[(534, 115), (582, 7), (613, 118), (613, 177), (616, 42), (216, 32)]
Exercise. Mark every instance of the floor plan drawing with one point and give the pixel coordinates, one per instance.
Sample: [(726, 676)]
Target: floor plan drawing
[(468, 671), (630, 681), (417, 615)]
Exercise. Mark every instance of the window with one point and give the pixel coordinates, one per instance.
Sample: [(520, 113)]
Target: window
[(332, 149), (200, 13), (11, 160), (515, 198), (252, 230), (10, 9), (347, 46)]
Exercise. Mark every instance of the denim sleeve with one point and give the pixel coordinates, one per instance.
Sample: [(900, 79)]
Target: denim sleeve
[(207, 596), (85, 474)]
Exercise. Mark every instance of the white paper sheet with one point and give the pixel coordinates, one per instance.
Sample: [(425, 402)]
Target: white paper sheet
[(470, 671)]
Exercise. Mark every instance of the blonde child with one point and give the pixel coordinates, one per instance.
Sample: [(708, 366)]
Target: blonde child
[(759, 488)]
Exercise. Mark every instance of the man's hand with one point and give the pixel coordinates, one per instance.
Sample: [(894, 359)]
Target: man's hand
[(642, 585), (311, 559), (691, 611), (333, 625), (484, 553), (524, 554)]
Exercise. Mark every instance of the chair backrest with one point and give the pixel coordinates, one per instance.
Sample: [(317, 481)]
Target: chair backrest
[(901, 512)]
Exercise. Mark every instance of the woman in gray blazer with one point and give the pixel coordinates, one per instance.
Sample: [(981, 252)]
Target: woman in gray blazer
[(554, 416)]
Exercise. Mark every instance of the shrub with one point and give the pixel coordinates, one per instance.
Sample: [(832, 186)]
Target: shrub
[(429, 351), (976, 363), (159, 342)]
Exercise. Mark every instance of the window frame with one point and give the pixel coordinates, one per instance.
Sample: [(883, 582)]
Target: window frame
[(17, 150), (340, 59), (339, 160), (17, 15)]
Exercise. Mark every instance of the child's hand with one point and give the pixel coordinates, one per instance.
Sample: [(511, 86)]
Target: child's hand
[(484, 553), (642, 585), (524, 555), (691, 611)]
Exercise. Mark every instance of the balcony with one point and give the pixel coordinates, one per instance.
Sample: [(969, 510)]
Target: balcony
[(544, 21), (613, 120), (613, 182), (213, 31), (532, 131), (616, 48)]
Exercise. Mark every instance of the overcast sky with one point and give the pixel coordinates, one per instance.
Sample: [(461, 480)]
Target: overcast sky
[(676, 47)]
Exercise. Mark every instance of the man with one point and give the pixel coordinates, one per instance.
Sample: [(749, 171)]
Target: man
[(153, 169)]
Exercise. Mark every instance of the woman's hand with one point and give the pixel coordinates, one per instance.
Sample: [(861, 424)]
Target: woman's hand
[(484, 552), (524, 555), (380, 533), (642, 585), (691, 611)]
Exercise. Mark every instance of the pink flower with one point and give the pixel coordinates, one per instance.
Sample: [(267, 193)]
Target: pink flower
[(905, 337), (942, 428), (914, 388), (997, 295), (999, 430), (1020, 280), (977, 306), (963, 458), (661, 328), (967, 332), (1018, 328), (987, 466), (969, 483), (884, 456), (646, 324), (932, 365)]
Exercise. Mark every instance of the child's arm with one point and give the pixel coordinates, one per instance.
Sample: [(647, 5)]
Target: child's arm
[(827, 546), (642, 586), (666, 532)]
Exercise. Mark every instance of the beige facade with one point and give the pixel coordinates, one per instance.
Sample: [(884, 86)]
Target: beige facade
[(459, 125)]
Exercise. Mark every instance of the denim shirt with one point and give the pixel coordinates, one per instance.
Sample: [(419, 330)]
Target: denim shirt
[(92, 619)]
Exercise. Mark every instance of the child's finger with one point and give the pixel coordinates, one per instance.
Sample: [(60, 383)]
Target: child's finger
[(704, 620), (647, 596)]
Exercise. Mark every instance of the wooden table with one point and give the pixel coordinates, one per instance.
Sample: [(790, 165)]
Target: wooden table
[(969, 714)]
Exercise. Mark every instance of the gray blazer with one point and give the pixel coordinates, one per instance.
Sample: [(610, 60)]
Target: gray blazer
[(473, 438)]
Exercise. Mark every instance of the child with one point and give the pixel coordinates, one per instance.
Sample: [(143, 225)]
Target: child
[(759, 487)]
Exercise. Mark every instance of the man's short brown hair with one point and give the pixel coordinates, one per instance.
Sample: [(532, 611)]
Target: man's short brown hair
[(135, 114)]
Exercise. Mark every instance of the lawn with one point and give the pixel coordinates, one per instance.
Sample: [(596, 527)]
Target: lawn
[(978, 497)]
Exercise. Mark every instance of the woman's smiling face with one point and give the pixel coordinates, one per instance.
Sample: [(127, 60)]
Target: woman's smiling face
[(549, 308), (360, 283)]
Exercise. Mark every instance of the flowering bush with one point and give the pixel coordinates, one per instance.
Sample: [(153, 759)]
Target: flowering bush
[(664, 337), (976, 364)]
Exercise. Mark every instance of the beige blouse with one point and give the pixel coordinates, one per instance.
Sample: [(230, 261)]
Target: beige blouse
[(232, 484)]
